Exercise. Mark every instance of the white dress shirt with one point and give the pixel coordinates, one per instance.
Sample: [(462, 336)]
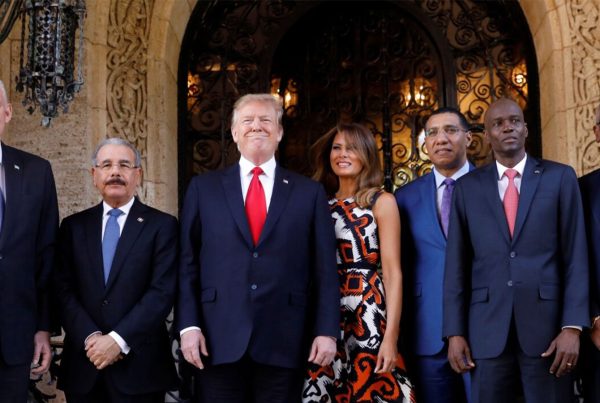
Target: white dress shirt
[(503, 180), (121, 221), (439, 183)]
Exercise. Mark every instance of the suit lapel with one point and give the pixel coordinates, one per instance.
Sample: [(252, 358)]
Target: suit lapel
[(490, 186), (529, 183), (235, 201), (281, 190), (429, 196), (13, 176), (93, 231), (135, 221)]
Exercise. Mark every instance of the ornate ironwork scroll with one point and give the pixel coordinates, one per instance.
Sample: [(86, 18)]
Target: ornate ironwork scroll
[(9, 12), (127, 62), (388, 64)]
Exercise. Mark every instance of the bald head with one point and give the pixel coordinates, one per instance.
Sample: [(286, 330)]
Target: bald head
[(506, 131)]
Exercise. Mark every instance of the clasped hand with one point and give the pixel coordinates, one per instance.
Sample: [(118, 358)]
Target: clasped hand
[(102, 350)]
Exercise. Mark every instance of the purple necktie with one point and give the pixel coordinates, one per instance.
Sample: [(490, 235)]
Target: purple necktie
[(446, 202)]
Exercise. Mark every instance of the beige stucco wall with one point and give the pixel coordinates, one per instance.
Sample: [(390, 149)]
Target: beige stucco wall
[(565, 35)]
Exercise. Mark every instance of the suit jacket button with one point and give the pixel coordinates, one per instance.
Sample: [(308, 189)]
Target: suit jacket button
[(255, 254), (510, 283), (1, 257), (513, 254), (254, 286), (105, 302)]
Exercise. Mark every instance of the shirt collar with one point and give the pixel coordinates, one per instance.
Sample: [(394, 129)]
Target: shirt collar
[(125, 208), (439, 178), (0, 153), (520, 167), (268, 167)]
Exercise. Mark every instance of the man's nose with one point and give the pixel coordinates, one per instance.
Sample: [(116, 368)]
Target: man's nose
[(255, 124)]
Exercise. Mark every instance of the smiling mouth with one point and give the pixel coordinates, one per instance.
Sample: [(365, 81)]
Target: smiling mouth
[(343, 164)]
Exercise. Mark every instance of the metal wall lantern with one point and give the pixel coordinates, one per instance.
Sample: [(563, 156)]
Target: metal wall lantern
[(51, 67)]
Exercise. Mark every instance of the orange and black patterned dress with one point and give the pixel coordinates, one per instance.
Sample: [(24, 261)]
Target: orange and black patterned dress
[(351, 378)]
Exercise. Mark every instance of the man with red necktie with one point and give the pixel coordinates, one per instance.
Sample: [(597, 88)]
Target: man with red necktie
[(258, 270), (516, 276)]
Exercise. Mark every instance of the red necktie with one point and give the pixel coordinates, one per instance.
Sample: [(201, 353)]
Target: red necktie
[(256, 205), (511, 200)]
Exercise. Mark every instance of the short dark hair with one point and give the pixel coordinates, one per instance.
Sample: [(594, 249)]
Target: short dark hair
[(450, 109)]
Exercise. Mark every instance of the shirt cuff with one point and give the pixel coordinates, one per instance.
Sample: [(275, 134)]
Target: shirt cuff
[(573, 327), (122, 344), (187, 329), (90, 335)]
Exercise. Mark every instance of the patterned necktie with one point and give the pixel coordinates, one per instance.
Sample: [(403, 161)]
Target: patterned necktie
[(511, 200), (256, 205), (111, 239), (446, 202)]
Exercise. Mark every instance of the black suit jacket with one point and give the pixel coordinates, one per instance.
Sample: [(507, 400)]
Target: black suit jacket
[(590, 193), (135, 302), (257, 299), (26, 252), (539, 277)]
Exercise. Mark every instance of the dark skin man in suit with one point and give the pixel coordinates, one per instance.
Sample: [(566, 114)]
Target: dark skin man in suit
[(515, 292), (27, 236)]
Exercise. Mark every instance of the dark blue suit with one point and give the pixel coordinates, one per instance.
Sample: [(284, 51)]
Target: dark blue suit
[(135, 301), (423, 255), (26, 254), (256, 299), (530, 285), (590, 365)]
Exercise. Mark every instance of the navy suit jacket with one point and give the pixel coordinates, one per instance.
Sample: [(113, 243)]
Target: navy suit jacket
[(27, 242), (256, 299), (590, 193), (423, 254), (135, 301), (539, 278)]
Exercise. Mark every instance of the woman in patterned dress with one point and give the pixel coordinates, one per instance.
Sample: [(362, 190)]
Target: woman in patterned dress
[(367, 366)]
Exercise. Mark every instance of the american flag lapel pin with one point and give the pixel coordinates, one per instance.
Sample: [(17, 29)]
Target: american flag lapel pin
[(18, 168), (140, 219), (285, 181)]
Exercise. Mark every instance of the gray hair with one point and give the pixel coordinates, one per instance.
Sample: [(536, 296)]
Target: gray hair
[(117, 142), (3, 95), (264, 98)]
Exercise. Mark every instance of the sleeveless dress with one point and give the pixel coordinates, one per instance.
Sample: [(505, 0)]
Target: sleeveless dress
[(351, 378)]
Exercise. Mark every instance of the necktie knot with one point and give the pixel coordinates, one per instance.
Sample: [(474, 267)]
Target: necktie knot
[(511, 173), (257, 171), (115, 212), (449, 182)]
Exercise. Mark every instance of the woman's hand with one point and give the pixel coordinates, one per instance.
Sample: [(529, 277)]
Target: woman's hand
[(387, 356)]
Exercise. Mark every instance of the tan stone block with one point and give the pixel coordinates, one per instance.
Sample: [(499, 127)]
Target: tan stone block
[(96, 23), (96, 74), (179, 18), (547, 38), (552, 87), (535, 12)]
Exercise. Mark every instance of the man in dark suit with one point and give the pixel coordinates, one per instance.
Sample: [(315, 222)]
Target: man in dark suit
[(28, 224), (516, 277), (424, 208), (255, 239), (590, 193), (115, 280)]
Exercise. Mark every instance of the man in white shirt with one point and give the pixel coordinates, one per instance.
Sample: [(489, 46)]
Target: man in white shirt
[(115, 280), (516, 276)]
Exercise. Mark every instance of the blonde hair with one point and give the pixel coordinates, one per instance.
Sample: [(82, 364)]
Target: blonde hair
[(264, 98), (370, 179)]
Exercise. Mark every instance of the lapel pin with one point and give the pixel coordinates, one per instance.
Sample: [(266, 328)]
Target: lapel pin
[(285, 181), (537, 171), (140, 219), (17, 167)]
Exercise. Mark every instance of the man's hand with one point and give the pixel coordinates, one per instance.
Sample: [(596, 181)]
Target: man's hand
[(566, 345), (41, 353), (459, 354), (595, 334), (193, 344), (322, 351), (103, 350)]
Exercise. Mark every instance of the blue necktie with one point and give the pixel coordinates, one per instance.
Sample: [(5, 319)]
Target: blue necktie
[(446, 202), (110, 240)]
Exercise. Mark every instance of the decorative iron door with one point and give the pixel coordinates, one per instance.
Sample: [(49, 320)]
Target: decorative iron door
[(385, 63)]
